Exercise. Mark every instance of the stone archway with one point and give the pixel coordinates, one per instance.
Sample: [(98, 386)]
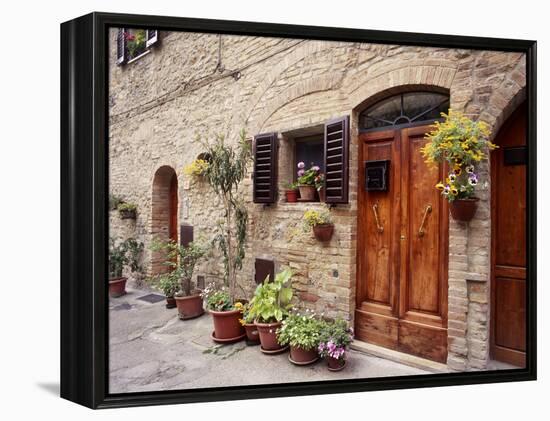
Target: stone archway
[(164, 213)]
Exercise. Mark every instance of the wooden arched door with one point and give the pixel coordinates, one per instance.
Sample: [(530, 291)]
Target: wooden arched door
[(509, 247)]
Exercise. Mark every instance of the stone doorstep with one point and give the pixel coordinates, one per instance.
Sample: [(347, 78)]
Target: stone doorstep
[(399, 357)]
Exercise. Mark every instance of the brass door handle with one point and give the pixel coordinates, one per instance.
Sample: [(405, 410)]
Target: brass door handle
[(426, 212), (379, 227)]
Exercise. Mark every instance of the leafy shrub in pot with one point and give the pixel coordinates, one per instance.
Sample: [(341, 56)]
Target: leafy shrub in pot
[(178, 281), (250, 328), (302, 332), (226, 315), (320, 222), (334, 338), (127, 210), (122, 254), (270, 306)]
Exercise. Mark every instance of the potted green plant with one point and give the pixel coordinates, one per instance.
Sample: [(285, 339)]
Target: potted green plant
[(463, 144), (127, 210), (291, 192), (306, 181), (334, 339), (269, 307), (320, 222), (227, 166), (302, 332), (224, 312), (182, 261), (247, 320), (122, 254), (169, 284), (114, 201)]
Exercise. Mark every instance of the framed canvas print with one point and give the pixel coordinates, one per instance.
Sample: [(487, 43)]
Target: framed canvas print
[(256, 210)]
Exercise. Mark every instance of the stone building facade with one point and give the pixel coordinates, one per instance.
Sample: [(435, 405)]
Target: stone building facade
[(191, 84)]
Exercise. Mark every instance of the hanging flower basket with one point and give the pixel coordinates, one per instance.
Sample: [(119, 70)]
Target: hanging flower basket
[(463, 209)]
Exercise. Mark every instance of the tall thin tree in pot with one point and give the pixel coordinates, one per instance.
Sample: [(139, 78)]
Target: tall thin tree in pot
[(227, 168)]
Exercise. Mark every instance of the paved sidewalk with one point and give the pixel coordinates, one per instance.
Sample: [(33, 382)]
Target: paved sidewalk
[(151, 349)]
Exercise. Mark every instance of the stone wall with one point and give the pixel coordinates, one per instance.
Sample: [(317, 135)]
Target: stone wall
[(160, 103)]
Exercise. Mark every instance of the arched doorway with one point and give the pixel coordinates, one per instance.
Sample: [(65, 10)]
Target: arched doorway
[(508, 240), (402, 235), (164, 215)]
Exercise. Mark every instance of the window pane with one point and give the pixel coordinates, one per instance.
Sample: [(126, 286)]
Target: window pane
[(310, 152)]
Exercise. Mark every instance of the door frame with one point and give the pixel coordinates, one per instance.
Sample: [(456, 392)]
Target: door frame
[(495, 352), (399, 289)]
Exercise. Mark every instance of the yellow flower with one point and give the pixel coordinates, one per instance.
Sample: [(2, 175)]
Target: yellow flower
[(440, 186), (454, 191)]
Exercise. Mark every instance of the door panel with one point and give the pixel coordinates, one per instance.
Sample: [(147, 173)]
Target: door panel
[(508, 288), (401, 287)]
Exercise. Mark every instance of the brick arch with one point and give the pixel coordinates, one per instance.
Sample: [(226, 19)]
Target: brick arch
[(296, 55), (433, 76), (497, 114), (164, 212), (320, 83)]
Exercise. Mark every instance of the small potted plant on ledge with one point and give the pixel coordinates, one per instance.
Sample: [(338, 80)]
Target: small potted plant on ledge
[(301, 332), (320, 222), (463, 144), (291, 192), (320, 186), (306, 181), (182, 261), (226, 316), (269, 307), (124, 254), (127, 210), (334, 339)]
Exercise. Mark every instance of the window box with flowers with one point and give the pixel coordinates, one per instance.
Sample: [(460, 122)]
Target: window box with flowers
[(463, 144)]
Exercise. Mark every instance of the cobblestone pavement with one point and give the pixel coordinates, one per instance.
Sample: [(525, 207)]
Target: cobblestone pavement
[(151, 349)]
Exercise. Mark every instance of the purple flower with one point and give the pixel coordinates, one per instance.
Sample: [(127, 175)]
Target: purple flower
[(472, 179), (300, 173), (315, 168), (301, 165)]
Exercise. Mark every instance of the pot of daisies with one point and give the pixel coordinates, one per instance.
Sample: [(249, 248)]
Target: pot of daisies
[(334, 339), (463, 144), (301, 331)]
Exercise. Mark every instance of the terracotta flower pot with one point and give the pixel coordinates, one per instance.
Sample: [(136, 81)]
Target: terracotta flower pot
[(268, 335), (227, 326), (117, 286), (301, 356), (170, 302), (323, 232), (291, 196), (189, 307), (463, 209), (307, 193), (335, 364), (252, 333), (322, 194)]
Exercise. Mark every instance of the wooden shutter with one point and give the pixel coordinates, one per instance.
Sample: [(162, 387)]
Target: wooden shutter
[(265, 168), (336, 160), (262, 269), (151, 36), (121, 46)]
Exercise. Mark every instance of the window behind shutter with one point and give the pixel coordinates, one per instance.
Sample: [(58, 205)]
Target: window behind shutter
[(336, 160), (152, 37), (262, 269), (265, 168), (121, 46)]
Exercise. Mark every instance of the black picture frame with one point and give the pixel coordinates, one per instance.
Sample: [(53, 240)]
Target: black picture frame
[(84, 214)]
